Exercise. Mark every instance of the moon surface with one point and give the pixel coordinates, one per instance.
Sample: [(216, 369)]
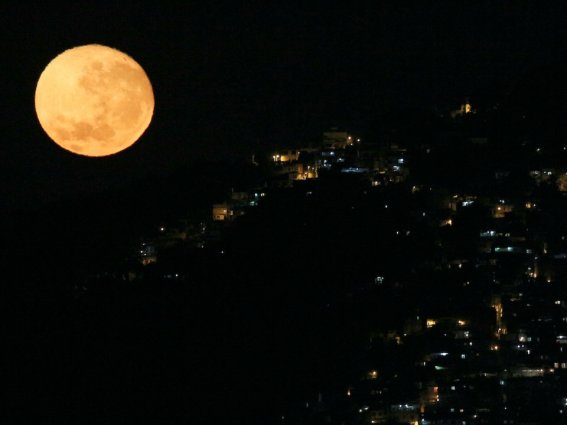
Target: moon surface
[(94, 100)]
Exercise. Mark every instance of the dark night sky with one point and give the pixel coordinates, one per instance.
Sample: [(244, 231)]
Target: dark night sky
[(237, 76)]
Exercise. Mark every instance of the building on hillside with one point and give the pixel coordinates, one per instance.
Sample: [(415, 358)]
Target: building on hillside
[(285, 156), (223, 212), (335, 138)]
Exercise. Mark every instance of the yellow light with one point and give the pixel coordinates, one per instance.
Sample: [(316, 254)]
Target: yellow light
[(431, 322)]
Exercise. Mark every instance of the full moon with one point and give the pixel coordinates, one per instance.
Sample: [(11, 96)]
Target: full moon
[(94, 100)]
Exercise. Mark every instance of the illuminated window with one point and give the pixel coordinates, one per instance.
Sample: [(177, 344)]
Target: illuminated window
[(431, 322)]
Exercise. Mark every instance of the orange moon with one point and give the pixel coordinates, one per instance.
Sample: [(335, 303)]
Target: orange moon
[(94, 100)]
